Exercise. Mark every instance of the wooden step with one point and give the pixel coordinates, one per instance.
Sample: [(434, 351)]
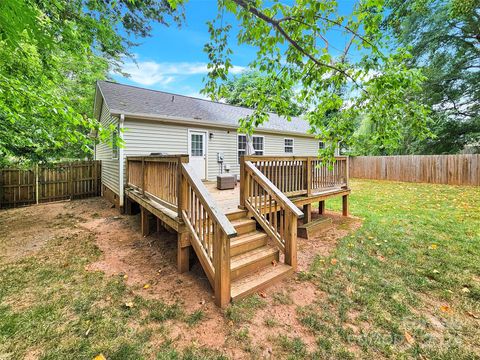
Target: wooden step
[(236, 214), (259, 280), (314, 227), (244, 225), (246, 242), (252, 261)]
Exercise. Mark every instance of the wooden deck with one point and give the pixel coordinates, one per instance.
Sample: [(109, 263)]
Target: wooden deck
[(244, 238)]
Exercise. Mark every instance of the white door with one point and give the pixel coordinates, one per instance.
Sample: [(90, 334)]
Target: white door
[(197, 145)]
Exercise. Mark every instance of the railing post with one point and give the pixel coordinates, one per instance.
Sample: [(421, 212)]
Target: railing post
[(181, 187), (143, 176), (221, 264), (290, 239), (308, 177), (347, 171), (243, 179)]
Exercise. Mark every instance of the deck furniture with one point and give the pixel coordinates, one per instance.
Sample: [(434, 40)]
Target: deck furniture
[(245, 248), (226, 181)]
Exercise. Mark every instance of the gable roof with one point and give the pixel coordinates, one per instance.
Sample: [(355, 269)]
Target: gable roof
[(132, 100)]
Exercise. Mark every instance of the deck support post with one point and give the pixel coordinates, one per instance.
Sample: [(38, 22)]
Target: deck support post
[(128, 206), (345, 205), (291, 240), (321, 207), (221, 264), (183, 252), (307, 213), (145, 221)]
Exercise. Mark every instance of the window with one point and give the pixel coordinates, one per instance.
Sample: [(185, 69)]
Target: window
[(242, 146), (258, 145), (321, 145), (288, 146), (115, 140), (197, 145)]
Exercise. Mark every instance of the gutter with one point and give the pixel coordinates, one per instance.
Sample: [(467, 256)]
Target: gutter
[(121, 163)]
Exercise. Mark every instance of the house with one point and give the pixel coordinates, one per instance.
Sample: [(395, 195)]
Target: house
[(152, 121)]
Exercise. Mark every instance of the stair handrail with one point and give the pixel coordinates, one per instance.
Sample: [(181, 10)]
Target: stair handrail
[(210, 232), (281, 228)]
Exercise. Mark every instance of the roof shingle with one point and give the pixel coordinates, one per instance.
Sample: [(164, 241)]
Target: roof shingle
[(129, 99)]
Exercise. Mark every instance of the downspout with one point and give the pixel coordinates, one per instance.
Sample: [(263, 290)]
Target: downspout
[(121, 162)]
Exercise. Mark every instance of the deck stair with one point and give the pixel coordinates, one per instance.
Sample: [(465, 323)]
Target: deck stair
[(254, 261)]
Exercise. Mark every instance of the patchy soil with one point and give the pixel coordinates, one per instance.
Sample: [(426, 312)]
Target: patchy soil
[(148, 266)]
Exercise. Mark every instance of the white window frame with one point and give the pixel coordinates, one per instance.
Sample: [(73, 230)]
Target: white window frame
[(238, 149), (263, 143), (246, 139), (289, 146)]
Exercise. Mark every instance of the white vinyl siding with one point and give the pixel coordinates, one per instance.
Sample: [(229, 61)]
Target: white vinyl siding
[(143, 137), (104, 152)]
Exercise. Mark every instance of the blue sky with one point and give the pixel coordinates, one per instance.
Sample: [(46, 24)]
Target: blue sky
[(173, 60)]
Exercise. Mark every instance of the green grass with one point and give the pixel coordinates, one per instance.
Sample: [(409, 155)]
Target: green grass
[(413, 267), (51, 307), (245, 309)]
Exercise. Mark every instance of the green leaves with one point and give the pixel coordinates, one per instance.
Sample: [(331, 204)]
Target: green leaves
[(338, 89), (51, 54)]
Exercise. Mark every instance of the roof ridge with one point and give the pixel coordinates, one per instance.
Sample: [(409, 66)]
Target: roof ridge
[(192, 97)]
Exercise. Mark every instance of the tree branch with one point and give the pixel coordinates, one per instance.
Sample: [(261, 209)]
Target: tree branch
[(276, 25)]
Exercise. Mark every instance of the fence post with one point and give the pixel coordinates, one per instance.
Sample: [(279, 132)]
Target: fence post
[(36, 184), (70, 183)]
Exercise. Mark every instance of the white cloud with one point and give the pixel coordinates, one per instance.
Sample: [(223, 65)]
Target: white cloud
[(163, 73)]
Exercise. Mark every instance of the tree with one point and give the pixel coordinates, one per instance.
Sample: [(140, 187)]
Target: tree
[(294, 50), (444, 40), (241, 87), (51, 54)]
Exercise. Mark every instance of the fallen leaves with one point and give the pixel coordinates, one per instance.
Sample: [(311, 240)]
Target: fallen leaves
[(446, 309), (146, 286), (409, 338), (100, 357), (471, 314), (129, 304)]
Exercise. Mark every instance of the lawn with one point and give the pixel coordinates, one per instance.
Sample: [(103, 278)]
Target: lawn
[(405, 285)]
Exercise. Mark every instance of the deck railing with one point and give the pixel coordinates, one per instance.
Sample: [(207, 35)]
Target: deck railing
[(171, 182), (272, 209), (299, 175), (156, 177), (210, 232)]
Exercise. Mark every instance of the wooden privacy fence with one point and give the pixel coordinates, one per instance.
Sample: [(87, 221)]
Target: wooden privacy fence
[(46, 183), (435, 169)]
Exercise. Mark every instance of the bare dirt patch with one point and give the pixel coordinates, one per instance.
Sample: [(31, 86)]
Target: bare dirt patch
[(152, 260)]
